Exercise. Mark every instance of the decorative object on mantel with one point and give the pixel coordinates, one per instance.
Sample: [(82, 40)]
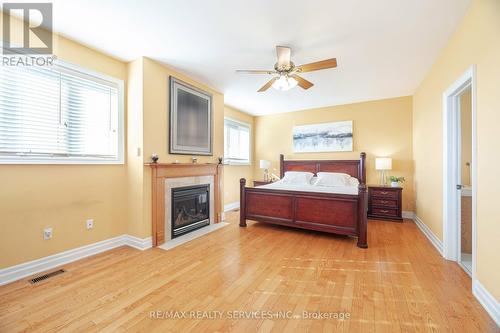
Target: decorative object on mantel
[(324, 137), (176, 162), (194, 159), (190, 119), (265, 165), (383, 164), (396, 180), (220, 159), (154, 157)]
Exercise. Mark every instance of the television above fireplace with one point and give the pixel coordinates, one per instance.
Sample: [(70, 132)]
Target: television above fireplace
[(190, 119)]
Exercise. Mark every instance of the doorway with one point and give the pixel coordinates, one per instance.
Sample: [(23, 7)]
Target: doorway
[(465, 175), (459, 167)]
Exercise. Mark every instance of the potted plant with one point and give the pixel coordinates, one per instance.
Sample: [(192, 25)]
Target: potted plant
[(396, 180)]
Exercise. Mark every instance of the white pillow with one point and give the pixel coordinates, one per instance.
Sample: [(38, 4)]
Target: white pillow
[(333, 179), (297, 178), (353, 182)]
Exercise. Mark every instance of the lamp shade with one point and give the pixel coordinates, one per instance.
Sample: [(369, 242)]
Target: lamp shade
[(265, 164), (383, 163)]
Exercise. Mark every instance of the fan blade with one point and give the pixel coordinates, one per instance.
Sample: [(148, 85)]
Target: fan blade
[(316, 66), (267, 85), (303, 83), (244, 71), (284, 53)]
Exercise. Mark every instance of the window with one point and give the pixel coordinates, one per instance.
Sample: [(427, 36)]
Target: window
[(59, 114), (236, 142)]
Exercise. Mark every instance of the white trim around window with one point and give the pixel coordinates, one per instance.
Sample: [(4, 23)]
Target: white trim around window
[(236, 161), (62, 158)]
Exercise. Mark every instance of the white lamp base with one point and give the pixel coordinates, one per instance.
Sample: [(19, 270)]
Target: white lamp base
[(383, 179)]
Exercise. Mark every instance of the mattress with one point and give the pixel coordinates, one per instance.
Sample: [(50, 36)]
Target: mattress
[(351, 190)]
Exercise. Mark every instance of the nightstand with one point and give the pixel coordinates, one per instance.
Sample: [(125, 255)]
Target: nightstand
[(260, 182), (385, 202)]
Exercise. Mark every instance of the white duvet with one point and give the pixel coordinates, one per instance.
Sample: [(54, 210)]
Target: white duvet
[(352, 190)]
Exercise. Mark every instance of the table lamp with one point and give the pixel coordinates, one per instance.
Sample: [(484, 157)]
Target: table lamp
[(383, 164), (265, 164)]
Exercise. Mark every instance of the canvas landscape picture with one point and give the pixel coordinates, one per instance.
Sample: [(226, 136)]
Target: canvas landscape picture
[(326, 137)]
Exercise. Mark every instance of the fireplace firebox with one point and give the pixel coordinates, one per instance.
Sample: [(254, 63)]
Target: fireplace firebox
[(190, 208)]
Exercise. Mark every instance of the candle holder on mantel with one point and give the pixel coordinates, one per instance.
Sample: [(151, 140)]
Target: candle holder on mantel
[(155, 158)]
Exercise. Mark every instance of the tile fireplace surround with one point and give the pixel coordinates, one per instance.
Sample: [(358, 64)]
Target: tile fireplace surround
[(164, 177)]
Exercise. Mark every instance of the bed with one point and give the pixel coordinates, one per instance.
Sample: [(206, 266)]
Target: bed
[(342, 211)]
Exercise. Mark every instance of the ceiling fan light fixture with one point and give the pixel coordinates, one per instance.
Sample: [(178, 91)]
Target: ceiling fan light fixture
[(284, 83)]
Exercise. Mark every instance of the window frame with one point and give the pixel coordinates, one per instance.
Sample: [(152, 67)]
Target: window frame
[(80, 71), (231, 161)]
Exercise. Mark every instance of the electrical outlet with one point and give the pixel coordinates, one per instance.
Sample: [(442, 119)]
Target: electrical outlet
[(47, 233), (90, 223)]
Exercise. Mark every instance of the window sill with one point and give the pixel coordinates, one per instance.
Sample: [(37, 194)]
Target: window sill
[(58, 161), (233, 163)]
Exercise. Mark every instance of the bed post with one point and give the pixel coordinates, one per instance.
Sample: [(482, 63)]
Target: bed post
[(362, 204), (282, 165), (243, 221)]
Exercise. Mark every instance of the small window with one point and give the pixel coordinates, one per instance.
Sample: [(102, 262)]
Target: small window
[(60, 114), (236, 142)]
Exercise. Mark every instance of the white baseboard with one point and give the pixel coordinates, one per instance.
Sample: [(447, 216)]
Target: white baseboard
[(487, 300), (13, 273), (408, 214), (139, 243), (231, 206), (429, 234)]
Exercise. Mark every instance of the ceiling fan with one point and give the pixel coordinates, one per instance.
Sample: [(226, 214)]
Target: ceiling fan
[(287, 73)]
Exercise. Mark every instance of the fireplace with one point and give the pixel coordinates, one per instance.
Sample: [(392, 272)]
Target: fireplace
[(190, 208)]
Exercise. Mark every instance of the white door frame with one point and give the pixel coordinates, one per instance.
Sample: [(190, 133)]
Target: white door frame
[(451, 168)]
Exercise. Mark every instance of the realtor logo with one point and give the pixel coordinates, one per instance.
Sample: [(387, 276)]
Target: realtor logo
[(36, 34)]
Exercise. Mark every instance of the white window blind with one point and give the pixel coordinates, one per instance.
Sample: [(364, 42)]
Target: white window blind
[(59, 114), (236, 142)]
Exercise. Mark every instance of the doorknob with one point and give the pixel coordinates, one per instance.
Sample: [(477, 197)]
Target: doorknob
[(459, 186)]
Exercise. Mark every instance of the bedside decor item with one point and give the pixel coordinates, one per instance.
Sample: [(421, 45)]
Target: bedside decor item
[(324, 137), (265, 164), (396, 180), (385, 203), (383, 164), (190, 119), (154, 157)]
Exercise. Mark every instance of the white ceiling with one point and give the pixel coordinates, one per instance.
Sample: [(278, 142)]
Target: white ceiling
[(384, 48)]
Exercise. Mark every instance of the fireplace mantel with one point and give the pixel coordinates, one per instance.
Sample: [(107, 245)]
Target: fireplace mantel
[(162, 171)]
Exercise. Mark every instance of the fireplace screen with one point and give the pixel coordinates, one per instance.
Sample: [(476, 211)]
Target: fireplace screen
[(190, 208)]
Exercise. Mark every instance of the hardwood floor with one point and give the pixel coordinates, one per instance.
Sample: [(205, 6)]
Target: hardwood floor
[(398, 284)]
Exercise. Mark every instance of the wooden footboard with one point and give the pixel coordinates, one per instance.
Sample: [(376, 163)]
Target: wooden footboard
[(333, 213)]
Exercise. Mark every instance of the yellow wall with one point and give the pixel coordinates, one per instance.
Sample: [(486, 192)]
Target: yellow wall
[(380, 128), (466, 134), (155, 122), (476, 41), (33, 197), (233, 173)]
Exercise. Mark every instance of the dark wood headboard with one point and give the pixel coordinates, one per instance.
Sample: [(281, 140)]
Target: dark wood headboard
[(354, 168)]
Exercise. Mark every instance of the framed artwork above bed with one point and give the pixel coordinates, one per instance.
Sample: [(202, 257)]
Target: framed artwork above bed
[(190, 119), (325, 137)]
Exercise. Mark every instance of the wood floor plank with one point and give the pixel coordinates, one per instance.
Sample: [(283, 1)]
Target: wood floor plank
[(270, 273)]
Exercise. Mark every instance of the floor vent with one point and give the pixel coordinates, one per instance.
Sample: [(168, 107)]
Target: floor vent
[(46, 276)]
